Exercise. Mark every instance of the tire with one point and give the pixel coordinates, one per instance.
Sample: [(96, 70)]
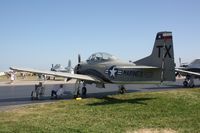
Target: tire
[(122, 90), (185, 84)]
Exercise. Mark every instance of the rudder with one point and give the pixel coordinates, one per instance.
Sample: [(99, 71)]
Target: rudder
[(162, 56)]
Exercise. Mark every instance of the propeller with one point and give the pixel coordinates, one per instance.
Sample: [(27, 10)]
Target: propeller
[(52, 66), (77, 68), (79, 58)]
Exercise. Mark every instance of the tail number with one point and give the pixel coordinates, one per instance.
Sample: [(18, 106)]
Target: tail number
[(167, 50)]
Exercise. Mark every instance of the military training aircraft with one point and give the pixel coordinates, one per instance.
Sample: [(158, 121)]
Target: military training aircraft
[(59, 68), (185, 64), (103, 68), (190, 71)]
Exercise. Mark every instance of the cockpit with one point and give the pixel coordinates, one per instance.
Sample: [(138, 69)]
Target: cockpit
[(100, 57)]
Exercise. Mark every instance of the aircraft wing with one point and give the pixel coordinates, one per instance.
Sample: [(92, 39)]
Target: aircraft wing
[(137, 67), (59, 74), (187, 72)]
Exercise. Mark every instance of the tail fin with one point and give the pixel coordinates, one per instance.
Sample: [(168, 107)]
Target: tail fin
[(162, 56)]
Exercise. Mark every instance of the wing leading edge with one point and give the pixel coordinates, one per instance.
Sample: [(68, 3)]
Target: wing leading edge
[(59, 74), (137, 67), (187, 72)]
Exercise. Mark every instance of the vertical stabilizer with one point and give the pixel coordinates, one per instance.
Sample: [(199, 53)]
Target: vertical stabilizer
[(162, 56)]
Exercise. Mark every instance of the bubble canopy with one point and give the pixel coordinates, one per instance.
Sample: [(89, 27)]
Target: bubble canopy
[(101, 56)]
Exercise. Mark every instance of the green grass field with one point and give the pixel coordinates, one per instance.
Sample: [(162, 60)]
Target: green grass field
[(168, 111)]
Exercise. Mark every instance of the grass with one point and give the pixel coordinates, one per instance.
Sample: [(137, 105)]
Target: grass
[(170, 111)]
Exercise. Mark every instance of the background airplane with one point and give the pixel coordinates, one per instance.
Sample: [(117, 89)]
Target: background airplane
[(184, 64), (190, 71), (60, 68), (103, 68)]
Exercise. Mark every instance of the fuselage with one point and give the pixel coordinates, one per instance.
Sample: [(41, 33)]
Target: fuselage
[(116, 71)]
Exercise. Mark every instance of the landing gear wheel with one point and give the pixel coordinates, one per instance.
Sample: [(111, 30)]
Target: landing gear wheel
[(84, 91), (122, 90), (185, 83)]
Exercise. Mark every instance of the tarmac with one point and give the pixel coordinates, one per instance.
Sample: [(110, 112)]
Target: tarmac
[(19, 93)]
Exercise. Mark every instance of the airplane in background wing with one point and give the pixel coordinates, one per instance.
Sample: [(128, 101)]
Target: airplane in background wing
[(190, 71), (103, 68)]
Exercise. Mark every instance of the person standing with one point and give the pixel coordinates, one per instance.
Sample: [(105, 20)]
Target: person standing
[(12, 77)]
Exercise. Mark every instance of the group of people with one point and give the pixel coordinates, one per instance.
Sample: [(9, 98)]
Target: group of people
[(39, 92)]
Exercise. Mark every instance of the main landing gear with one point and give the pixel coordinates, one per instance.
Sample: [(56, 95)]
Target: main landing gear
[(77, 89), (122, 89), (189, 82)]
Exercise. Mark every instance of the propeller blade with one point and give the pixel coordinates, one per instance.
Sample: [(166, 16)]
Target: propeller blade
[(79, 58), (52, 67)]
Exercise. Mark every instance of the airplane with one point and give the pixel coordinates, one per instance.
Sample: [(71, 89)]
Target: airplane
[(103, 68), (59, 68), (191, 71), (185, 64)]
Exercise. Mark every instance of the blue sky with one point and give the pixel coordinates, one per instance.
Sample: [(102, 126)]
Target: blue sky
[(37, 33)]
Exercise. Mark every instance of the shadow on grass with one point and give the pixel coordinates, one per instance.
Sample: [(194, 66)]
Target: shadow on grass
[(110, 100)]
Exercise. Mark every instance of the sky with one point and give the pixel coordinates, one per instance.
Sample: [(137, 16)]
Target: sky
[(38, 33)]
